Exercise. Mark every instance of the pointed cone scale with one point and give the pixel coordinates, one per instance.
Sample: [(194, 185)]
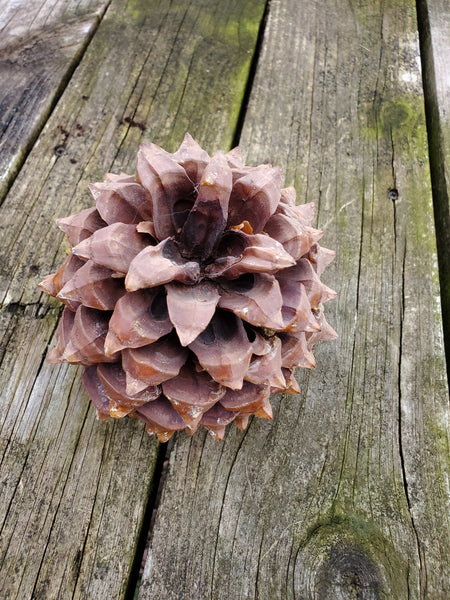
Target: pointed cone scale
[(305, 213), (217, 432), (320, 258), (155, 363), (265, 412), (223, 349), (73, 356), (118, 410), (246, 400), (53, 284), (80, 226), (288, 196), (207, 218), (255, 298), (255, 197), (121, 404), (62, 336), (113, 247), (296, 309), (48, 286), (191, 156), (266, 370), (191, 308), (237, 173), (96, 392), (93, 286), (326, 332), (291, 387), (121, 201), (87, 338), (234, 158), (167, 184), (139, 318), (242, 422), (192, 291), (113, 343), (192, 393), (293, 215), (119, 178), (163, 436), (216, 419), (301, 213), (134, 386), (191, 416), (241, 253), (161, 417), (295, 238), (260, 344), (295, 352), (304, 273), (160, 264)]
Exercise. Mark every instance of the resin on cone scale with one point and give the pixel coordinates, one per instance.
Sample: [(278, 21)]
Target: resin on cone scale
[(192, 291)]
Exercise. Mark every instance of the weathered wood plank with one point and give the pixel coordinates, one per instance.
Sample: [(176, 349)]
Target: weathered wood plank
[(41, 44), (345, 494), (434, 19), (73, 491)]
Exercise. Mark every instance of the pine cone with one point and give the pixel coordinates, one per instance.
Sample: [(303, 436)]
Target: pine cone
[(192, 291)]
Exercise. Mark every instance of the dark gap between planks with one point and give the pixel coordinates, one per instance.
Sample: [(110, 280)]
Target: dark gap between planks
[(251, 76), (437, 172), (158, 480)]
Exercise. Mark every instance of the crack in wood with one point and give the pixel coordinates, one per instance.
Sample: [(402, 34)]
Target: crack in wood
[(420, 553)]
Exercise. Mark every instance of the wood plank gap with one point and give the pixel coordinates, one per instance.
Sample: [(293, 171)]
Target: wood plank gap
[(441, 202), (148, 521), (65, 79), (251, 75)]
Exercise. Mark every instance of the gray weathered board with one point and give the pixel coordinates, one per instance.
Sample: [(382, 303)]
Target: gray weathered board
[(344, 494), (41, 44)]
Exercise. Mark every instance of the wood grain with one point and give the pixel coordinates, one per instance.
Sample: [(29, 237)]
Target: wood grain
[(344, 495), (74, 491), (41, 44)]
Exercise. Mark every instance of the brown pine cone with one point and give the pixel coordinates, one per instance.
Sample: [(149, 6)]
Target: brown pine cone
[(192, 291)]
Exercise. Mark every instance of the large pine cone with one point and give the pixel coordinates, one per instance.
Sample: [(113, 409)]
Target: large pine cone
[(192, 291)]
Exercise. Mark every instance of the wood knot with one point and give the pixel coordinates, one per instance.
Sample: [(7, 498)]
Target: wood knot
[(349, 559), (348, 574)]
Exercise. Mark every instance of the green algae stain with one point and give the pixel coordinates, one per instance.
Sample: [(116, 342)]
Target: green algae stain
[(401, 116), (395, 115)]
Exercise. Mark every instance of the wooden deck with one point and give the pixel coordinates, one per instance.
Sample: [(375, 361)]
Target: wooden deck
[(345, 494)]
